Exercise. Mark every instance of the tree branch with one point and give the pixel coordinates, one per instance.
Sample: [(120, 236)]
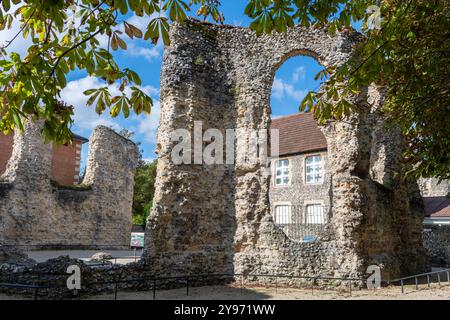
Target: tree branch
[(20, 31), (68, 51), (92, 11)]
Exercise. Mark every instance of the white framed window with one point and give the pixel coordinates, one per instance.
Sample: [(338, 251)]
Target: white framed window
[(281, 174), (314, 169), (283, 214), (314, 214)]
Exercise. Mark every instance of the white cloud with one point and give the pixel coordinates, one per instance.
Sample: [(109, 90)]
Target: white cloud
[(136, 47), (19, 45), (148, 124), (86, 119), (141, 22), (281, 90), (147, 53), (299, 74)]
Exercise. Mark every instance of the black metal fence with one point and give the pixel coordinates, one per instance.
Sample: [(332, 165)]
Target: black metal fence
[(303, 224), (240, 281), (427, 278)]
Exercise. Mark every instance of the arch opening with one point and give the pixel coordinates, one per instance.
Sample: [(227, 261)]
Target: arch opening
[(300, 184)]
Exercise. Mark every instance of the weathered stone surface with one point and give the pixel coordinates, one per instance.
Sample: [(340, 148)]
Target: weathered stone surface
[(433, 188), (101, 256), (11, 255), (217, 218), (36, 213), (52, 276), (436, 240)]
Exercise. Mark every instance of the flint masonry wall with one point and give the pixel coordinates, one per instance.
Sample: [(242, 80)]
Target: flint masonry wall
[(431, 187), (297, 193), (37, 213), (217, 218)]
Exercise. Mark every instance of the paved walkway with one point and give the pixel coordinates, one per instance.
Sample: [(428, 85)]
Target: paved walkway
[(123, 256)]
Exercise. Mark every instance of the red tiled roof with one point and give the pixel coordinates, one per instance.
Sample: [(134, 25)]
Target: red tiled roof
[(437, 207), (299, 133)]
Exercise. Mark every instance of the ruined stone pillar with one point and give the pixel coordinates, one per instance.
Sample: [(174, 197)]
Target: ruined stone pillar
[(217, 218), (30, 162), (36, 213)]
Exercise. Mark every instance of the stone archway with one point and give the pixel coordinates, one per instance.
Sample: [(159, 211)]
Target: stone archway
[(216, 219)]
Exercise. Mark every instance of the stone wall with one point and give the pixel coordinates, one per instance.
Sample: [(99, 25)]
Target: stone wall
[(436, 240), (297, 192), (436, 234), (217, 218), (37, 213), (298, 195), (431, 187), (65, 159)]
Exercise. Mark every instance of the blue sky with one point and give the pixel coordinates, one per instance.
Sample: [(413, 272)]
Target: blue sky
[(292, 81)]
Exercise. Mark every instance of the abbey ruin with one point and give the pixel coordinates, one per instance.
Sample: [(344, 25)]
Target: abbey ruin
[(35, 212), (216, 218)]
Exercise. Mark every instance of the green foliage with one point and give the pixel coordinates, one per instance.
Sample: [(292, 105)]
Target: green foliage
[(144, 189), (408, 54), (141, 219), (64, 38)]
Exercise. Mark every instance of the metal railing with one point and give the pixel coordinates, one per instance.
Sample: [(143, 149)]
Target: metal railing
[(302, 232), (188, 280), (34, 288), (241, 279), (299, 223), (417, 277)]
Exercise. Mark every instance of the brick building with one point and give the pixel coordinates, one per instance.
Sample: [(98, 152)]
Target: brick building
[(301, 186), (6, 144), (65, 161), (300, 189)]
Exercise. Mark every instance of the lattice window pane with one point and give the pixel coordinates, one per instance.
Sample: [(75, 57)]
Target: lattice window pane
[(283, 214), (314, 214), (281, 172), (314, 169)]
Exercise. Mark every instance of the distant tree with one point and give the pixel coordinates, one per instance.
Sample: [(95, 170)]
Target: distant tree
[(144, 190), (144, 182), (141, 219), (127, 134)]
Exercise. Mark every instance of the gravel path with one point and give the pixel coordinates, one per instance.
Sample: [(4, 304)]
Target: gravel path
[(231, 293)]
